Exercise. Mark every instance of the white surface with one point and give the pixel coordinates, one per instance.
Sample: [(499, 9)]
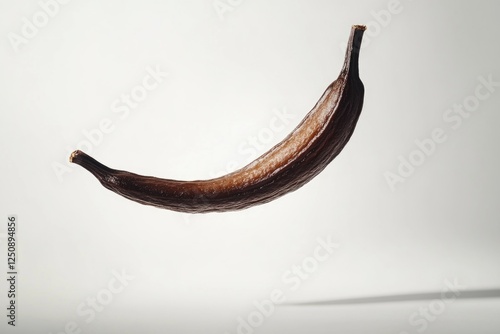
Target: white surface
[(227, 79)]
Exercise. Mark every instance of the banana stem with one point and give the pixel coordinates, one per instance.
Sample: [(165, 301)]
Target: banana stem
[(352, 52), (95, 167)]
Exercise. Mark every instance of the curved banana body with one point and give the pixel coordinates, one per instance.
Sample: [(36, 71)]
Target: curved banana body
[(293, 162)]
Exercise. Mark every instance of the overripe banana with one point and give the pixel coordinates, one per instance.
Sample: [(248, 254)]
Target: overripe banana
[(302, 155)]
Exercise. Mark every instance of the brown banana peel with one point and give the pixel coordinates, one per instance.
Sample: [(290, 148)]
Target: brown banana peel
[(286, 167)]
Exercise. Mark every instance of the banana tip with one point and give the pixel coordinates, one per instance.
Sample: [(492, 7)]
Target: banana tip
[(359, 27), (74, 155)]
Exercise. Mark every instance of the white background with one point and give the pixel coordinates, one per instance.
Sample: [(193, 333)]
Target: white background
[(229, 72)]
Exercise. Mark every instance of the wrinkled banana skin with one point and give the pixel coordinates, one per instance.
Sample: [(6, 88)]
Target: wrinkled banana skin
[(286, 167)]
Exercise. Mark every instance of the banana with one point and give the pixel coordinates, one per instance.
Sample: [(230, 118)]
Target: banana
[(286, 167)]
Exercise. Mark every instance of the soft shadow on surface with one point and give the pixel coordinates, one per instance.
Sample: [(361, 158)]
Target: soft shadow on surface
[(471, 294)]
